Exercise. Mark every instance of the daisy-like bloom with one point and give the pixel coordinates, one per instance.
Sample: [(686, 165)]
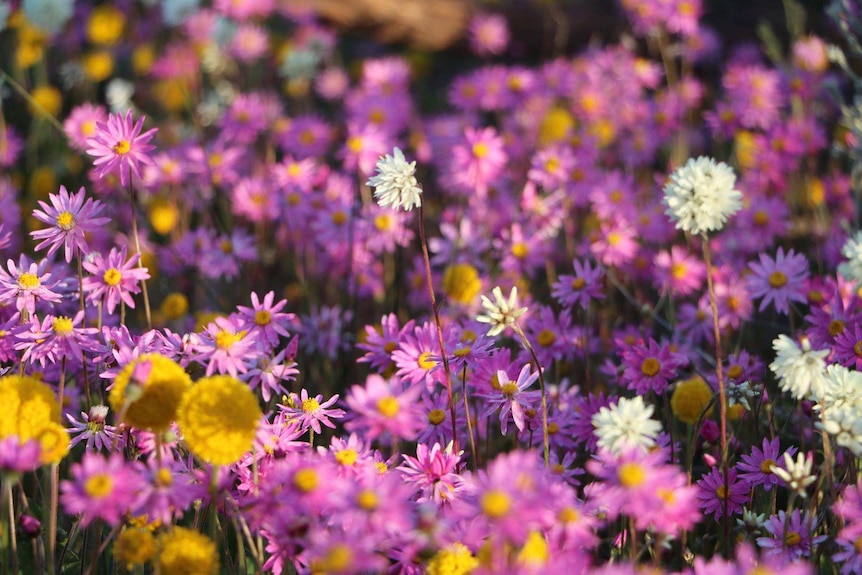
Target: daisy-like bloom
[(678, 272), (18, 457), (513, 397), (264, 321), (852, 250), (626, 424), (502, 312), (383, 407), (70, 217), (395, 182), (701, 196), (488, 34), (114, 278), (81, 124), (218, 418), (581, 288), (790, 536), (55, 338), (779, 281), (224, 347), (100, 488), (649, 367), (310, 412), (93, 429), (797, 474), (713, 493), (119, 146), (799, 370), (758, 467), (26, 286)]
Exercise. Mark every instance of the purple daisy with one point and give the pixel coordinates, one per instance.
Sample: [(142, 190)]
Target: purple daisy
[(713, 492), (114, 279), (779, 281), (650, 367), (581, 288), (757, 467), (119, 145), (100, 488), (310, 412), (434, 473), (70, 217), (26, 285), (790, 535), (512, 397), (384, 407)]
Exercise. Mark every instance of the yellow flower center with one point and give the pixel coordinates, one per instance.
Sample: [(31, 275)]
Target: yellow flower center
[(520, 250), (761, 218), (262, 317), (310, 405), (354, 144), (495, 503), (792, 538), (436, 416), (766, 465), (535, 550), (509, 389), (480, 150), (339, 217), (337, 560), (462, 351), (225, 339), (99, 486), (546, 338), (346, 457), (62, 326), (112, 276), (495, 383), (388, 406), (857, 349), (88, 128), (777, 279), (65, 221), (367, 500), (857, 545), (720, 492), (678, 271), (568, 515), (552, 165), (614, 238), (306, 480), (424, 361), (390, 346), (383, 222), (553, 427), (28, 281), (734, 371), (650, 366), (164, 477), (578, 284), (122, 147), (836, 327), (666, 495), (631, 475)]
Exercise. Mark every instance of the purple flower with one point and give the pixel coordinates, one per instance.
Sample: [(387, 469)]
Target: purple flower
[(512, 397), (713, 493), (310, 412), (114, 279), (100, 488), (224, 347), (56, 338), (756, 468), (17, 457), (649, 367), (94, 429), (384, 407), (264, 321), (790, 536), (26, 286), (70, 217), (780, 281), (434, 472), (119, 145)]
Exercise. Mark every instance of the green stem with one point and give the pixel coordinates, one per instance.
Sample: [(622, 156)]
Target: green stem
[(133, 203)]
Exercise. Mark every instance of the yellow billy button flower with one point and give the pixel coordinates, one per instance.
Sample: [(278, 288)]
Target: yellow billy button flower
[(134, 546), (690, 398), (30, 410), (184, 551), (218, 418), (461, 283), (148, 391), (455, 559)]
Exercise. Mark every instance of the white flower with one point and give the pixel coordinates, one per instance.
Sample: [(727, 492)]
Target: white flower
[(797, 475), (852, 250), (396, 182), (844, 422), (175, 12), (843, 387), (626, 424), (700, 195), (502, 313), (799, 370)]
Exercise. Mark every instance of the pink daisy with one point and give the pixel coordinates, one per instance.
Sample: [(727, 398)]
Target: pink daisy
[(81, 124), (478, 160), (650, 367), (779, 281), (100, 488), (119, 145), (26, 286), (70, 217), (678, 272), (384, 408), (114, 279)]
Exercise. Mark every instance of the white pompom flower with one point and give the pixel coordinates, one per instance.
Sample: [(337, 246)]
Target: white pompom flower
[(701, 196), (395, 183)]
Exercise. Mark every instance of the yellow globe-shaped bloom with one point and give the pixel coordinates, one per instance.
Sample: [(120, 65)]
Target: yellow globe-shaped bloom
[(134, 546), (148, 391), (28, 406), (218, 418), (461, 283), (186, 552), (690, 398)]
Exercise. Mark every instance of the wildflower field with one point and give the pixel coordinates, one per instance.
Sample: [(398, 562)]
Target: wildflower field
[(414, 288)]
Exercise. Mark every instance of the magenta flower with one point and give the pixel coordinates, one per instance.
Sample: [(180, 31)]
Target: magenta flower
[(26, 286), (384, 407), (56, 338), (756, 467), (713, 493), (650, 367), (94, 429), (119, 146), (70, 217), (779, 281), (512, 397), (478, 160), (100, 488), (264, 321), (581, 288), (678, 272), (17, 457), (114, 279), (224, 347), (790, 536), (310, 411)]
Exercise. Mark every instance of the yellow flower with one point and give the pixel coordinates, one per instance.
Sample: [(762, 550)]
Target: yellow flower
[(54, 441), (218, 418), (134, 546), (186, 552), (455, 559), (164, 215), (98, 65), (556, 126), (105, 25), (31, 45), (690, 398), (46, 100), (148, 391), (461, 283), (28, 407), (174, 306)]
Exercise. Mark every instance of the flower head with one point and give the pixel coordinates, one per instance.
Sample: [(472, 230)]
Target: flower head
[(114, 278), (797, 474), (799, 369), (69, 216), (502, 312), (626, 424), (186, 552), (100, 488), (395, 182), (700, 195), (147, 392), (119, 145)]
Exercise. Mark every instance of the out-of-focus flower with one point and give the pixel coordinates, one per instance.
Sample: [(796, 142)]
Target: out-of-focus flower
[(701, 196)]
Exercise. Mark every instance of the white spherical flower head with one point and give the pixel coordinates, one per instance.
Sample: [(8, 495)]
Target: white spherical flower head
[(502, 312), (800, 370), (852, 250), (626, 425), (700, 195), (395, 183)]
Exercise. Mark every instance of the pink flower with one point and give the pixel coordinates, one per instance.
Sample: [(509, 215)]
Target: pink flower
[(478, 160), (114, 279), (224, 347), (512, 397), (100, 488), (384, 407), (70, 217), (779, 281), (26, 286), (434, 472), (119, 145), (310, 412), (650, 367)]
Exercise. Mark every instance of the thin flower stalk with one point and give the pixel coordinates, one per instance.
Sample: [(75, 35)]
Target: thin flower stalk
[(133, 202), (546, 442)]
